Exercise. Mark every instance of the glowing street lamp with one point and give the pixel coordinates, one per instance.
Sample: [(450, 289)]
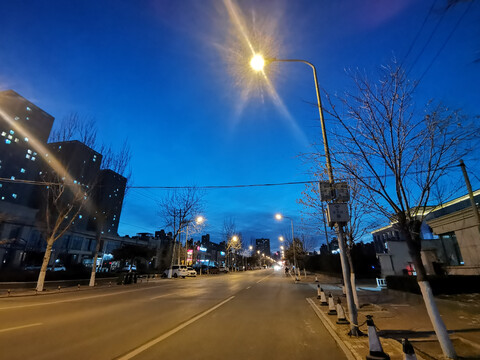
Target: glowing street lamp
[(281, 238), (257, 62)]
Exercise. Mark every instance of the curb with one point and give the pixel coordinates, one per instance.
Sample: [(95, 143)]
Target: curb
[(350, 353)]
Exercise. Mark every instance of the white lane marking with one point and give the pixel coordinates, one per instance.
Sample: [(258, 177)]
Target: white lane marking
[(248, 287), (71, 300), (171, 332), (20, 327), (264, 278), (160, 296)]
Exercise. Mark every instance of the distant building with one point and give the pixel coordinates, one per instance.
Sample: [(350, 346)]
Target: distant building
[(263, 245), (25, 157), (23, 128)]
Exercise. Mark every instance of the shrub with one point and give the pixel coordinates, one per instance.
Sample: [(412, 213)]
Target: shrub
[(453, 284)]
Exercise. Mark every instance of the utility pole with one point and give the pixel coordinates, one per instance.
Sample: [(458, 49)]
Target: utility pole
[(470, 194)]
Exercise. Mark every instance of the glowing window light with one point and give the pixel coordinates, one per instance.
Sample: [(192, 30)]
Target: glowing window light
[(14, 196), (26, 139), (22, 170), (7, 141), (12, 132)]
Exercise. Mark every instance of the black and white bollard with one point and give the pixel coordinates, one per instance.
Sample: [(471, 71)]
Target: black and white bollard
[(341, 318), (319, 291), (323, 298), (316, 278), (331, 305), (375, 347), (408, 351)]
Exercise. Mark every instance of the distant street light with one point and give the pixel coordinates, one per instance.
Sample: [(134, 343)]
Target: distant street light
[(258, 63), (280, 237), (281, 217)]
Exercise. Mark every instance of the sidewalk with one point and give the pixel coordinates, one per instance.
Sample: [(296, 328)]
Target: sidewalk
[(399, 315)]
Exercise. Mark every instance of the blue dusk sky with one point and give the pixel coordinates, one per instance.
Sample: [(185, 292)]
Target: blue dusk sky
[(172, 77)]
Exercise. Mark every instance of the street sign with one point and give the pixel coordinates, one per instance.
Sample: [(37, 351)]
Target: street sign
[(342, 194), (326, 193), (337, 213)]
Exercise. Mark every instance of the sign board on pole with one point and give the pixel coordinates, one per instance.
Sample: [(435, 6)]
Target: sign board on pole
[(337, 213), (326, 193), (342, 194)]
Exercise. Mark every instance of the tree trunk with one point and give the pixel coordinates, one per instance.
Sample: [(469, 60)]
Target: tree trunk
[(94, 264), (352, 277), (437, 322), (43, 269), (414, 247)]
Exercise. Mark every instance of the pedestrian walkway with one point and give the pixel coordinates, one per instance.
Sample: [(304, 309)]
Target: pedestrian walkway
[(399, 315)]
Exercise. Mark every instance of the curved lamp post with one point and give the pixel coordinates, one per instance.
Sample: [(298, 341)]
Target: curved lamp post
[(258, 63)]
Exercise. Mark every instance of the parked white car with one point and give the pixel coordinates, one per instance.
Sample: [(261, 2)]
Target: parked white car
[(191, 272), (223, 269), (177, 271)]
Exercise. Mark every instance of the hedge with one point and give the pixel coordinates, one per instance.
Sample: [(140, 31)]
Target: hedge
[(453, 284)]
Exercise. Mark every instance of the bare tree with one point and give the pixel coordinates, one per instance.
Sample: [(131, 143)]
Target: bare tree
[(233, 241), (75, 127), (399, 156), (178, 209), (62, 204)]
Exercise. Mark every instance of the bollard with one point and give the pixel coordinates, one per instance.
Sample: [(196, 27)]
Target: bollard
[(109, 283), (343, 290), (319, 291), (341, 318), (59, 287), (8, 292), (331, 305), (323, 298), (375, 347), (408, 351), (78, 286), (316, 278)]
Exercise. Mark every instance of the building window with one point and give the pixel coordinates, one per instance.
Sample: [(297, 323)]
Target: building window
[(26, 139), (7, 141), (12, 132), (16, 118), (12, 177), (27, 156), (28, 108), (22, 170), (14, 196), (4, 133)]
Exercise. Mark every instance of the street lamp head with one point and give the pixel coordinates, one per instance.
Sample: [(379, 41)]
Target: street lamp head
[(257, 62), (199, 219), (281, 238), (250, 247), (234, 238), (278, 216)]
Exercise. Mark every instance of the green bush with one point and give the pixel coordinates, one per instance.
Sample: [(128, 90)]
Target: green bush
[(448, 285)]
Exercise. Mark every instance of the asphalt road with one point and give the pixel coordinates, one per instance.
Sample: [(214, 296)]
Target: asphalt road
[(253, 315)]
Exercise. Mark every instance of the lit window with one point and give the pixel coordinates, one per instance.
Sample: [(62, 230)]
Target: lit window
[(27, 118), (33, 158), (22, 170), (80, 216), (29, 151), (16, 118), (7, 141), (28, 108), (59, 146), (12, 177), (26, 139), (16, 140), (27, 156), (4, 133), (3, 197), (34, 153), (1, 185), (10, 137), (12, 132), (14, 196)]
